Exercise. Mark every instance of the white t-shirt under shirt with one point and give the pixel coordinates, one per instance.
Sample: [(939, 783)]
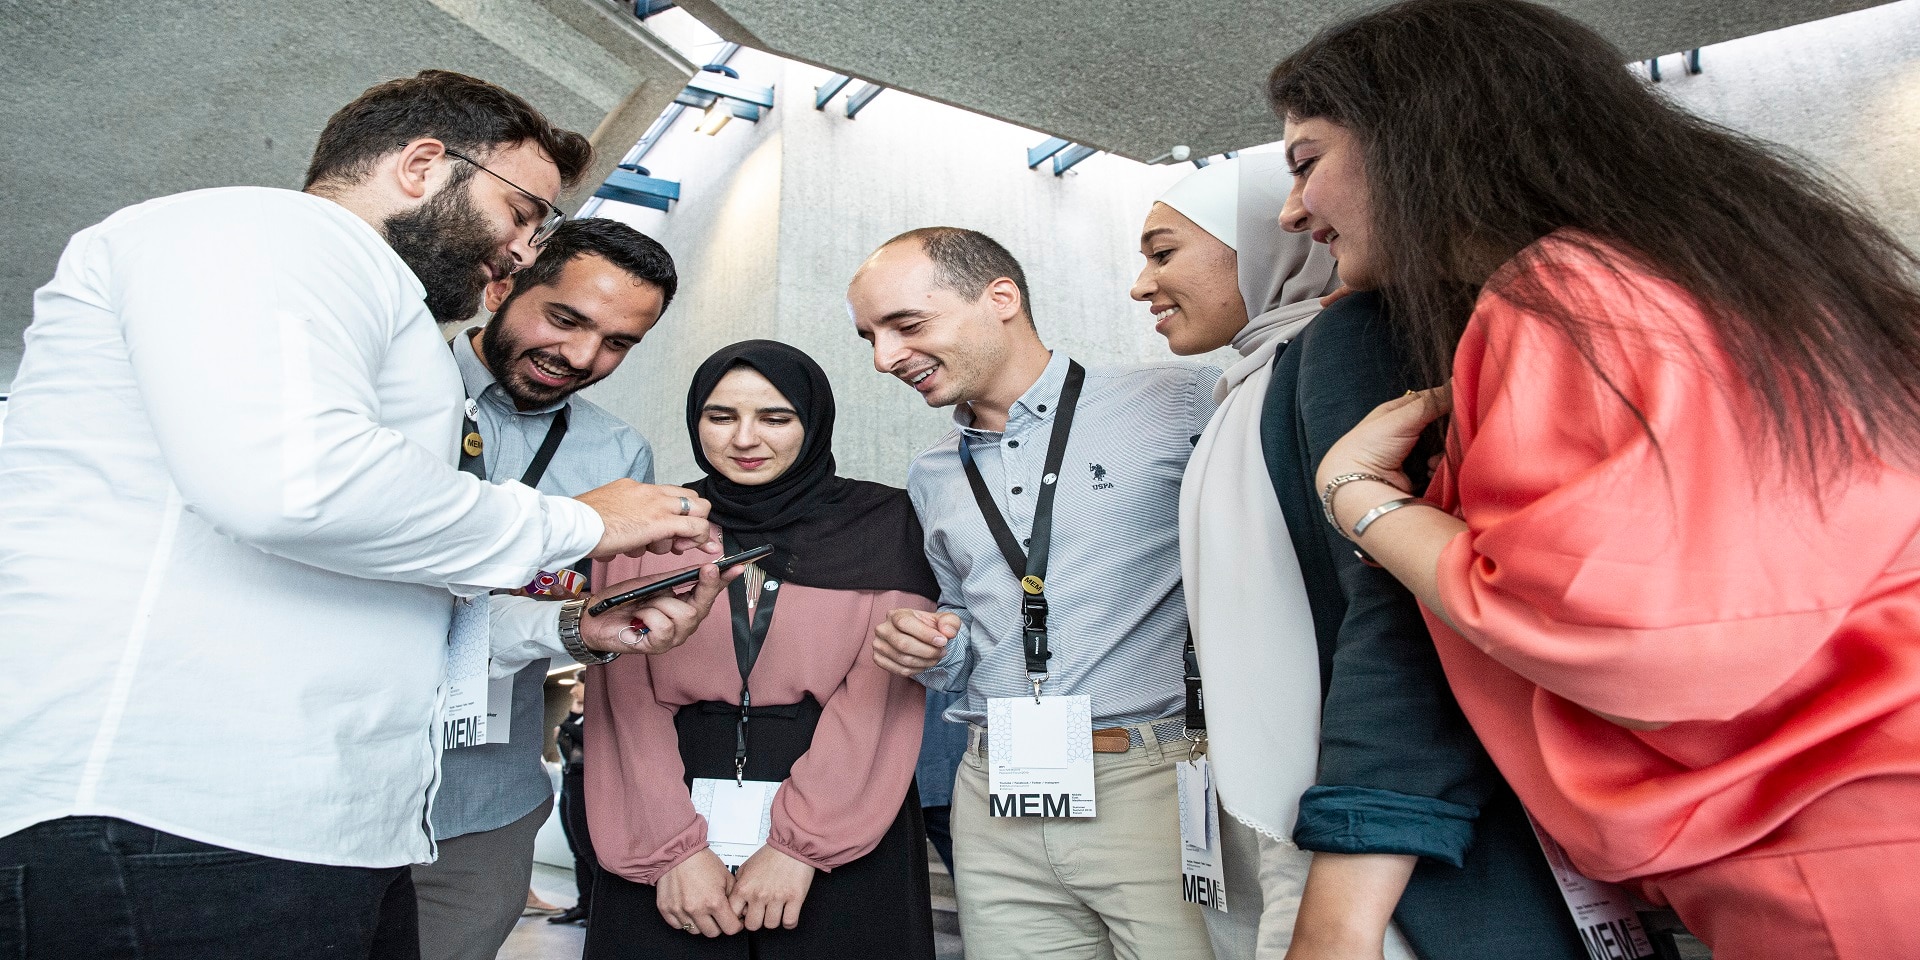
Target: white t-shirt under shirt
[(229, 522)]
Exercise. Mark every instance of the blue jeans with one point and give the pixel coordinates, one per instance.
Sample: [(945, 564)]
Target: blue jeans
[(98, 888)]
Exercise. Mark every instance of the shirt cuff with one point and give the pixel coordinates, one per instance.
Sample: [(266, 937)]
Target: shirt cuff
[(574, 529), (955, 665), (523, 630), (1366, 820)]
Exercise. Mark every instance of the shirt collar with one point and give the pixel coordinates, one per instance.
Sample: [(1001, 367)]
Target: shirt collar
[(480, 382), (1037, 404)]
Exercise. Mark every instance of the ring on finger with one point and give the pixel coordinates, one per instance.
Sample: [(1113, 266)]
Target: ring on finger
[(639, 634), (686, 506)]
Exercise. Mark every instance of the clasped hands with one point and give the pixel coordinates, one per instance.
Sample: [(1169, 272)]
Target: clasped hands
[(700, 896)]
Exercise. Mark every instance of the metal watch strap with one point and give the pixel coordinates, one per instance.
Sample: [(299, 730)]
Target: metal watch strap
[(570, 611)]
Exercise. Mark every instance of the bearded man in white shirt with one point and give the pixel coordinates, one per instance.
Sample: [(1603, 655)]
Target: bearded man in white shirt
[(232, 523)]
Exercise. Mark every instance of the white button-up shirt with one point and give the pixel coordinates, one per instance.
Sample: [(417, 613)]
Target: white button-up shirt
[(229, 522)]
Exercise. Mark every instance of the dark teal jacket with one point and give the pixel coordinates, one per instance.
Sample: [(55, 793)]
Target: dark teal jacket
[(1400, 769)]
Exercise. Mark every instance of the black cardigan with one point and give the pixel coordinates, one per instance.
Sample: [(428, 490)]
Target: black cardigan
[(1400, 769)]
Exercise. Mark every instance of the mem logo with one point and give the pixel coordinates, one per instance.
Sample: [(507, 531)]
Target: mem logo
[(1099, 476)]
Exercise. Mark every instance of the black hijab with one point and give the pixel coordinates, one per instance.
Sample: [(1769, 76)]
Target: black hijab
[(827, 531)]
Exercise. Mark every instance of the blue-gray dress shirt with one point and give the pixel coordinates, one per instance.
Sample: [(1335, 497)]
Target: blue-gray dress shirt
[(488, 786), (1117, 620)]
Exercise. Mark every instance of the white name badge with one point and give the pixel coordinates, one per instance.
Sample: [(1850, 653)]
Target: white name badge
[(1040, 757), (499, 708), (463, 722), (1203, 877), (1609, 927), (739, 815)]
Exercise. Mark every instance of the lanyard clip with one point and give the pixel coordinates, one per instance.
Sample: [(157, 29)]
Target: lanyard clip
[(740, 771), (1036, 679)]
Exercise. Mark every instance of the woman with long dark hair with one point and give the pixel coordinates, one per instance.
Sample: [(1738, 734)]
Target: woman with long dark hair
[(1671, 565), (1351, 790), (776, 718)]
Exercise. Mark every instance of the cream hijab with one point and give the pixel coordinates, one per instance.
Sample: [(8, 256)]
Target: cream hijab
[(1252, 626)]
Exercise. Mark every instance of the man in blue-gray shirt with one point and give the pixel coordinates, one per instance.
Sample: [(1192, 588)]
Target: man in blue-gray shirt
[(946, 311), (562, 323)]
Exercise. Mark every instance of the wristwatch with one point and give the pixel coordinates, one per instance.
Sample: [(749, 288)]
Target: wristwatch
[(570, 611)]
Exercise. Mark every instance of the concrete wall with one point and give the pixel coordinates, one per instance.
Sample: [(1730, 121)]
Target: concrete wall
[(1844, 91), (109, 103), (773, 219)]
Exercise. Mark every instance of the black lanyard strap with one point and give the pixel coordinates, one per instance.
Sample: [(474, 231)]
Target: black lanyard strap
[(1196, 697), (476, 464), (1031, 565), (750, 625)]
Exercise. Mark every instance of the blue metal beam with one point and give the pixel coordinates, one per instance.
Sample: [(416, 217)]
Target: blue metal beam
[(1047, 148), (717, 85), (647, 8), (1071, 156), (827, 91), (628, 186), (858, 100)]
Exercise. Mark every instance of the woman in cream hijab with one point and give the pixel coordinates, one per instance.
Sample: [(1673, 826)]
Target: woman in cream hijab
[(1360, 818)]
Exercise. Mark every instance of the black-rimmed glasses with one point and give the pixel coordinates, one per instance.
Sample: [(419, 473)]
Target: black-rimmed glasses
[(548, 224)]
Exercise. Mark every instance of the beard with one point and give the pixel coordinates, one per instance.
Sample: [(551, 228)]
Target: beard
[(447, 243), (502, 351)]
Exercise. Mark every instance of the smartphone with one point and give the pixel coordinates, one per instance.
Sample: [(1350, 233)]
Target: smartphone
[(680, 579)]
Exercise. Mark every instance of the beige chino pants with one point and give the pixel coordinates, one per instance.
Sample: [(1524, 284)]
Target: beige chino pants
[(1078, 889)]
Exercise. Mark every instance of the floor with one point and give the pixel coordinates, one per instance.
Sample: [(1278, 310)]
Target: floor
[(533, 938)]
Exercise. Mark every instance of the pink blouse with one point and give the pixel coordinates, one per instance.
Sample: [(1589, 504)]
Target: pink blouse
[(1778, 633), (843, 793)]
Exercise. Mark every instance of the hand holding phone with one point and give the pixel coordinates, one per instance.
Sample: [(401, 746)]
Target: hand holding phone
[(680, 579)]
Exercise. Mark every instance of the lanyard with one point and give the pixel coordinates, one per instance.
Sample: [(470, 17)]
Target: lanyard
[(1196, 699), (1196, 723), (749, 635), (472, 462), (1032, 566)]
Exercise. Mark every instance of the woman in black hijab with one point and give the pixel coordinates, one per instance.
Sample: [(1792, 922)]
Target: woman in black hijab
[(770, 740)]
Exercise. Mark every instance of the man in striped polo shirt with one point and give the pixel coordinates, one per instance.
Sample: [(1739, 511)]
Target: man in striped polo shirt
[(947, 312)]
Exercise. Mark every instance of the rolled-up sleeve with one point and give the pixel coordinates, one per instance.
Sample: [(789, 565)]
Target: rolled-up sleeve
[(1400, 769)]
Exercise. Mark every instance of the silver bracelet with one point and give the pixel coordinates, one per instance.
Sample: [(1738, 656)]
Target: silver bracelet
[(1382, 510), (1326, 495), (570, 611)]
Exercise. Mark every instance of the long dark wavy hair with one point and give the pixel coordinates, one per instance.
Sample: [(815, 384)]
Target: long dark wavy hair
[(1484, 125)]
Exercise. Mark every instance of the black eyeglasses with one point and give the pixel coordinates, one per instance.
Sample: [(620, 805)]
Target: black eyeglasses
[(548, 224)]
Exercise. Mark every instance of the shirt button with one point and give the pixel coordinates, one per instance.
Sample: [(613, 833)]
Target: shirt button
[(1013, 443), (1026, 541), (1016, 491), (1043, 408)]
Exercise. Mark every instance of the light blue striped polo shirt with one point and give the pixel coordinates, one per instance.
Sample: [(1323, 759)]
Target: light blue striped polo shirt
[(1117, 620)]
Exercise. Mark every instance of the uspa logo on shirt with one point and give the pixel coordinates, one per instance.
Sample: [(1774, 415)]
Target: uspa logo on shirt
[(1099, 477)]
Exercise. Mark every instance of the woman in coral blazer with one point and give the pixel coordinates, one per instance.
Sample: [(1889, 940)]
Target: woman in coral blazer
[(1670, 561)]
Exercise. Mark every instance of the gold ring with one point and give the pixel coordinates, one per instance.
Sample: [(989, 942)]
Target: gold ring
[(690, 928)]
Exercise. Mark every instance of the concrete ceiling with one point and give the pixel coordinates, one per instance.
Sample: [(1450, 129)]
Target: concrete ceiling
[(110, 102), (1135, 78)]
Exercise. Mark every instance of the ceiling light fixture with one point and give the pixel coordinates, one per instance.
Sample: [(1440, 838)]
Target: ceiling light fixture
[(716, 117)]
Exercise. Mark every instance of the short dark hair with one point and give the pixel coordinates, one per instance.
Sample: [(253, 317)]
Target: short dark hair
[(641, 256), (467, 114), (968, 260)]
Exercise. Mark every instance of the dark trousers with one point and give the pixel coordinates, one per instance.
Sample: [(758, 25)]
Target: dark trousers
[(98, 888), (573, 822), (939, 831)]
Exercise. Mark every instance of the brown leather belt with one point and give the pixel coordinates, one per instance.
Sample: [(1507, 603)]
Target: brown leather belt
[(1110, 740)]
